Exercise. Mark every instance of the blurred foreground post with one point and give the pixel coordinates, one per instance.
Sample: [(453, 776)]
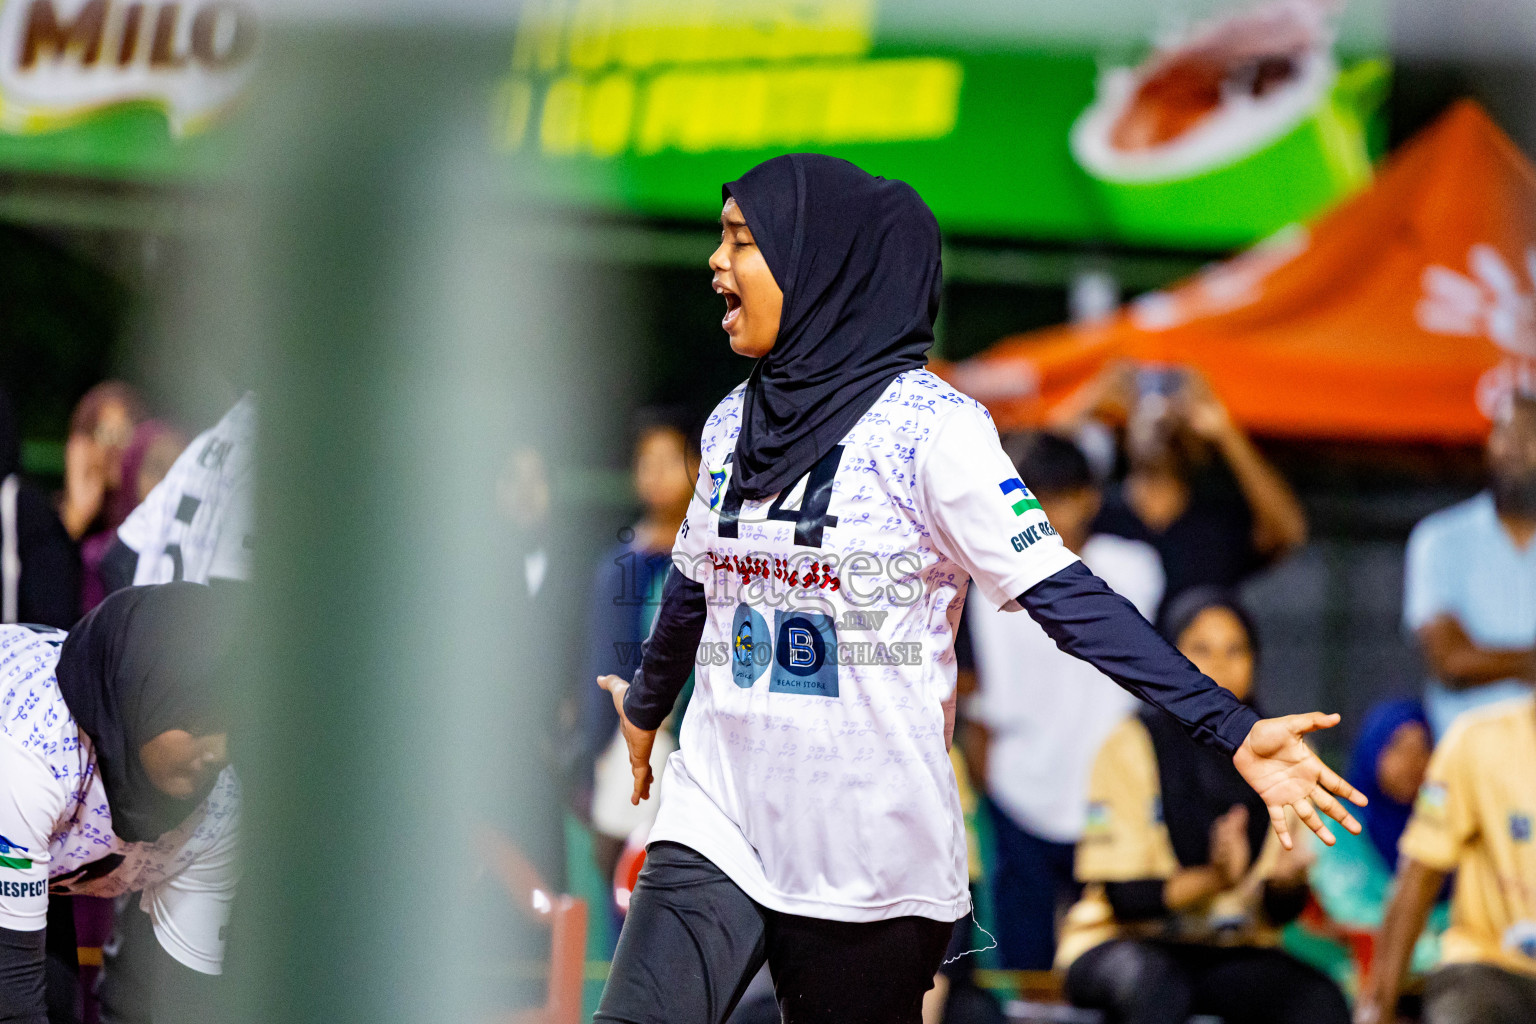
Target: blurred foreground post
[(392, 288)]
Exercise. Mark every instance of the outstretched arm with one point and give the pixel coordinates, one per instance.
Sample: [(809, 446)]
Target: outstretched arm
[(666, 660), (1090, 621)]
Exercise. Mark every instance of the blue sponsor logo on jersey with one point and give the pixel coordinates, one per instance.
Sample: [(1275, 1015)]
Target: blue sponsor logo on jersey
[(751, 647), (1520, 828), (717, 487), (805, 654)]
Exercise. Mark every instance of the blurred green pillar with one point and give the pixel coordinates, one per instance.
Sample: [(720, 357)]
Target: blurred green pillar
[(392, 290)]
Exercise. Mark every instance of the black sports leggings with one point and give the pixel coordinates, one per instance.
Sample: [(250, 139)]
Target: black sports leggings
[(693, 940), (1139, 982)]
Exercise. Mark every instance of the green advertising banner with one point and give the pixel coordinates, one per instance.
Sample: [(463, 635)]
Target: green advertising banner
[(645, 107), (632, 105)]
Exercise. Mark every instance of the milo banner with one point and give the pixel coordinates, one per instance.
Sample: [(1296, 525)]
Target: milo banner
[(114, 89)]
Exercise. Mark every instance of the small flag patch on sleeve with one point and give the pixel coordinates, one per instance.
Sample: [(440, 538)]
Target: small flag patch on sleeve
[(1022, 499)]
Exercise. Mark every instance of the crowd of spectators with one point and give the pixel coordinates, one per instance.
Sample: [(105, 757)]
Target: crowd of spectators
[(1112, 850), (54, 567), (1137, 865)]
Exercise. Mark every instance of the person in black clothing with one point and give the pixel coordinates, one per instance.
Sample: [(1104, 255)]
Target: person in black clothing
[(1186, 890), (39, 563), (1197, 489)]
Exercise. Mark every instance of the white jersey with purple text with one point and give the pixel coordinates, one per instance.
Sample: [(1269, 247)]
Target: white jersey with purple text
[(813, 768), (195, 525)]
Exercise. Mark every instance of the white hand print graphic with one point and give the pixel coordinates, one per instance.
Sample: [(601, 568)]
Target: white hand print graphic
[(1491, 301)]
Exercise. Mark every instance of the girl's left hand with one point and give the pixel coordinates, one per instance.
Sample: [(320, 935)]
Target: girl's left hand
[(1284, 771)]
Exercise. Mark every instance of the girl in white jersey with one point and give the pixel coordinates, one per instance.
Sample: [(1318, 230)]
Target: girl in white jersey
[(113, 779), (847, 499)]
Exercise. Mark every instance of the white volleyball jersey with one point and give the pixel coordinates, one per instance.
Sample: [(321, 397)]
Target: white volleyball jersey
[(814, 768), (196, 523), (56, 826)]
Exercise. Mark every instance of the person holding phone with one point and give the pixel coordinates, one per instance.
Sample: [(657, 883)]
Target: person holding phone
[(1197, 489)]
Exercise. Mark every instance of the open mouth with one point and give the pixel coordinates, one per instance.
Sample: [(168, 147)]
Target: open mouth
[(732, 308)]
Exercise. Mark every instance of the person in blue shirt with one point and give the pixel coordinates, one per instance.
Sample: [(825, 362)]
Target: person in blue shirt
[(1470, 584)]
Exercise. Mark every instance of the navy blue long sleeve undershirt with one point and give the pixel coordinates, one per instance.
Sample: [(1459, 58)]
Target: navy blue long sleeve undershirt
[(1090, 621), (1075, 608), (666, 658)]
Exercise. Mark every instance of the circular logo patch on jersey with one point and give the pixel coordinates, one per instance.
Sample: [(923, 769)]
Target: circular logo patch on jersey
[(751, 647)]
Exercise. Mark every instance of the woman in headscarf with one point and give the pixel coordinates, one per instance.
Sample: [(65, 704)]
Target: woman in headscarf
[(39, 561), (100, 431), (114, 778), (1186, 888), (1353, 879), (846, 499), (144, 463)]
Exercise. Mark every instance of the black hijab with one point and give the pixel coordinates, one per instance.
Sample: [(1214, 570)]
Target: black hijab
[(1199, 784), (858, 260), (144, 661)]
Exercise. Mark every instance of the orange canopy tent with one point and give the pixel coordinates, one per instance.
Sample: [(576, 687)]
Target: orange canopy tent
[(1403, 314)]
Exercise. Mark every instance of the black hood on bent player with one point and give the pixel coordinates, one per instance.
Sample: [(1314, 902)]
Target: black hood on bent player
[(144, 661), (858, 260)]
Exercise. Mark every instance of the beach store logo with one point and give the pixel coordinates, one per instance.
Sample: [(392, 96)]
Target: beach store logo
[(1492, 300), (13, 855), (62, 60), (1015, 491)]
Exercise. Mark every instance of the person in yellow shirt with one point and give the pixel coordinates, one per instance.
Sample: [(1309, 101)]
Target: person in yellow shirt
[(1474, 815), (1186, 890)]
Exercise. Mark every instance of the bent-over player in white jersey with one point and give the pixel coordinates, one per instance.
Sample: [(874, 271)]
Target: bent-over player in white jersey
[(847, 500), (114, 780)]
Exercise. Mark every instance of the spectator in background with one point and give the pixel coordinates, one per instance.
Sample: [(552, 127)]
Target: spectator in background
[(1353, 878), (626, 592), (1474, 816), (1187, 886), (1213, 522), (1469, 590), (1040, 715), (39, 562), (144, 463), (100, 430)]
